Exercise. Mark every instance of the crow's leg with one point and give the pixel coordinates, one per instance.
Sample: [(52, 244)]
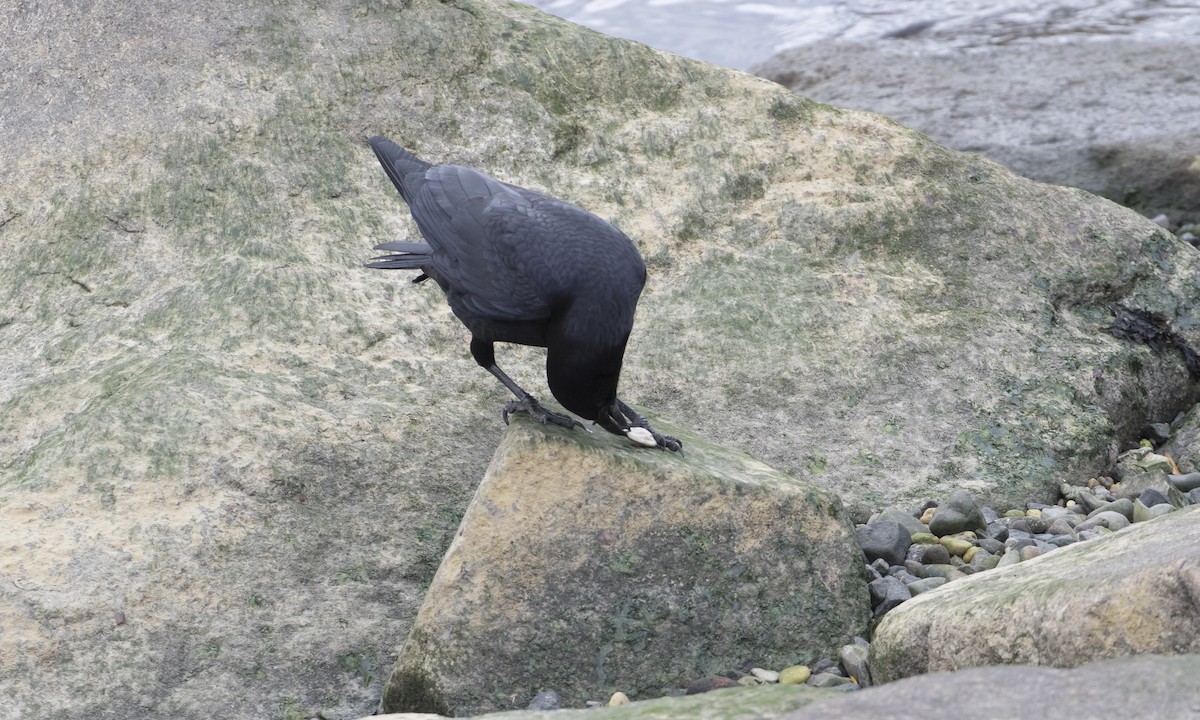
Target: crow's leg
[(484, 354), (635, 419)]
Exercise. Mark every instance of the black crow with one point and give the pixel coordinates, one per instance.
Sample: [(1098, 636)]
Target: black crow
[(520, 267)]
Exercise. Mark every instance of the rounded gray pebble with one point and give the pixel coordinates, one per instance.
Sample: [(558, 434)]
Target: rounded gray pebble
[(920, 586), (885, 539), (957, 514), (545, 700), (1108, 519)]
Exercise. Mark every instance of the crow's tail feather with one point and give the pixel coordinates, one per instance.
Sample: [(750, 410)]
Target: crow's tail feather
[(403, 256), (405, 170)]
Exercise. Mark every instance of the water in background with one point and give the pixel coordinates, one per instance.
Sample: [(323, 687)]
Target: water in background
[(739, 34)]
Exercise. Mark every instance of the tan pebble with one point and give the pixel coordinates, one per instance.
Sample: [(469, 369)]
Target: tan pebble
[(618, 698), (767, 676), (794, 675), (969, 555), (1070, 504), (749, 680), (927, 516), (1093, 482), (1033, 512), (956, 546)]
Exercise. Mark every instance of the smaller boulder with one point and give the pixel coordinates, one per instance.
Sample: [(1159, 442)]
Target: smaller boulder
[(958, 514), (886, 539)]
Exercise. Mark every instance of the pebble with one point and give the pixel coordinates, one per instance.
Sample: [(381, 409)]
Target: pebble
[(1152, 461), (712, 682), (928, 554), (545, 700), (909, 522), (854, 662), (618, 698), (1141, 513), (1185, 483), (928, 571), (920, 586), (827, 680), (1124, 506), (1062, 526), (1029, 552), (794, 675), (1012, 556), (767, 676), (956, 546), (887, 593), (1151, 497), (1107, 519), (884, 539), (957, 514)]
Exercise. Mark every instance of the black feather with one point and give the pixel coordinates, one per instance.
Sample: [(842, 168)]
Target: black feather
[(521, 267)]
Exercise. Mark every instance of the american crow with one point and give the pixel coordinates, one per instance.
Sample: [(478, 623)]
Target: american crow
[(520, 267)]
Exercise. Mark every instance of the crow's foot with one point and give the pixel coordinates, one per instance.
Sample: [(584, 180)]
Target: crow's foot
[(537, 412), (638, 422)]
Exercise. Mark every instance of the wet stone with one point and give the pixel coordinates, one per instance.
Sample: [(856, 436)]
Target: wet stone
[(1124, 506), (1185, 483), (928, 571), (956, 546), (993, 545), (957, 514), (929, 554), (1151, 497), (885, 539), (1141, 513), (926, 585), (827, 680), (712, 682), (854, 662), (887, 593), (1107, 519), (1061, 526), (909, 522), (545, 700)]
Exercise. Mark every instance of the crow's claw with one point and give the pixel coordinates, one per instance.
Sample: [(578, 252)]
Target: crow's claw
[(636, 419), (666, 442), (537, 412)]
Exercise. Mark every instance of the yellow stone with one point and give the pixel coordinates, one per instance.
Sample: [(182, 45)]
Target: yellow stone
[(794, 675), (970, 554), (618, 698), (956, 546)]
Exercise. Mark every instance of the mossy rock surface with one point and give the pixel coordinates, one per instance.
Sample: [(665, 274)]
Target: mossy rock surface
[(231, 458), (1130, 593), (588, 568)]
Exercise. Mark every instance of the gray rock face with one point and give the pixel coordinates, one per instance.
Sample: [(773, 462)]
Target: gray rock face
[(1147, 687), (1135, 147), (560, 574), (1131, 592), (216, 425)]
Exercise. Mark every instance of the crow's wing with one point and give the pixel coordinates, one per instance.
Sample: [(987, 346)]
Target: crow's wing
[(487, 241)]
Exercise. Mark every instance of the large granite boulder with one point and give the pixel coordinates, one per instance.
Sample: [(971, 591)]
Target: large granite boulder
[(231, 458), (589, 568), (1131, 593), (1114, 117), (1151, 687)]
